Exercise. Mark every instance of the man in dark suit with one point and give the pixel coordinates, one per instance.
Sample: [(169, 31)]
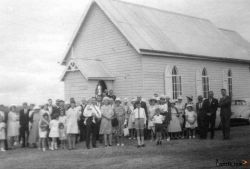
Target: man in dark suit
[(225, 114), (210, 107), (82, 127), (200, 115), (54, 111), (24, 124)]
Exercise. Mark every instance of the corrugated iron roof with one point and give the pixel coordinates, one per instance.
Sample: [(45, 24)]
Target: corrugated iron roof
[(154, 30), (91, 70)]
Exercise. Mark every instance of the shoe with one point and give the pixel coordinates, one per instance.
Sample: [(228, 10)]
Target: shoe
[(44, 149), (193, 136), (15, 143), (3, 150), (190, 137), (168, 139), (143, 145), (138, 146), (118, 145), (157, 143), (129, 138), (122, 145), (160, 142)]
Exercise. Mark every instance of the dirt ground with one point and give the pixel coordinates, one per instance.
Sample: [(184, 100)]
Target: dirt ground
[(177, 154)]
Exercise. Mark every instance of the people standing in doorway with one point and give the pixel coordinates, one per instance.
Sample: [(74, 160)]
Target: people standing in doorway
[(225, 113), (24, 124), (210, 107), (140, 120)]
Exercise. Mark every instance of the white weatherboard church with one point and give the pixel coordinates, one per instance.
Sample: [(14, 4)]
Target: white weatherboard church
[(137, 50)]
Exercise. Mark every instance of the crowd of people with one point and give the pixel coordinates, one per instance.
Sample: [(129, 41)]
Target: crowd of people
[(106, 116)]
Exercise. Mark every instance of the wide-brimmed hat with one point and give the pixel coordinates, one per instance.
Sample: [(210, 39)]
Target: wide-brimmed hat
[(172, 101), (190, 97), (36, 108), (162, 97), (105, 99), (152, 99), (133, 100), (180, 97), (125, 100), (118, 99), (189, 105)]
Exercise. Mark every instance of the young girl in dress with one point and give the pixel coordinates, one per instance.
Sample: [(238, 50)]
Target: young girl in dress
[(158, 121), (140, 120), (13, 127), (62, 129), (119, 113), (151, 112), (2, 131), (43, 129), (191, 120), (54, 132), (106, 126), (174, 127)]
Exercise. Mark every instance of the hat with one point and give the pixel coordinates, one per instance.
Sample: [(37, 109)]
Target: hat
[(190, 97), (162, 97), (133, 100), (105, 98), (72, 100), (180, 97), (36, 108), (189, 105), (118, 99), (172, 101), (153, 98), (167, 97), (125, 99)]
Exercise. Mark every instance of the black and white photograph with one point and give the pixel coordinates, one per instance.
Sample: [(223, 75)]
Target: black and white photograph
[(124, 84)]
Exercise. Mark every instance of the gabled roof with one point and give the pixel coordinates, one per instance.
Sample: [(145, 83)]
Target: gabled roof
[(90, 69), (158, 31)]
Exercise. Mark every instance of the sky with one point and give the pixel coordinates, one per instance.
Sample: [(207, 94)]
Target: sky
[(34, 35)]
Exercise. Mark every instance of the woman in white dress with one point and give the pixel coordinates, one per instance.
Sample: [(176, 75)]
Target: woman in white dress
[(13, 126), (73, 115), (151, 112), (174, 127)]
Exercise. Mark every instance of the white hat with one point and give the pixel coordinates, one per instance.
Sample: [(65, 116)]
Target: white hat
[(172, 101), (189, 105), (125, 99), (180, 97), (36, 108), (118, 99), (162, 97), (105, 98), (133, 100)]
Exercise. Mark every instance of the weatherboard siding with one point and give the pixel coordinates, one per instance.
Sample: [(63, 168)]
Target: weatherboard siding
[(98, 38), (154, 68)]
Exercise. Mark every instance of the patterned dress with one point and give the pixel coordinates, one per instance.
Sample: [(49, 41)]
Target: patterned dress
[(106, 126), (151, 113), (120, 115), (34, 131), (174, 125)]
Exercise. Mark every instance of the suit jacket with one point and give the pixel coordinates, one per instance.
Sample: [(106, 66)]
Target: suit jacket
[(24, 118), (55, 112), (199, 109), (210, 107), (225, 105)]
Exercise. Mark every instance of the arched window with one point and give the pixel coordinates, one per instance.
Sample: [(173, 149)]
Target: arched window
[(176, 83), (230, 84), (205, 83)]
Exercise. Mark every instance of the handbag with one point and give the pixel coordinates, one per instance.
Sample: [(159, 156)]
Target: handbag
[(126, 131)]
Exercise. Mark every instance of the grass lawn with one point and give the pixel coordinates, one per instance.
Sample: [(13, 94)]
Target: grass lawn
[(191, 154)]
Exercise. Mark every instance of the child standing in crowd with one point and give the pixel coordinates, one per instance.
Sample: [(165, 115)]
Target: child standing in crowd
[(106, 126), (140, 120), (62, 129), (158, 121), (180, 107), (165, 111), (54, 132), (2, 132), (119, 113), (43, 129), (174, 125), (131, 125), (151, 112), (13, 127), (191, 120)]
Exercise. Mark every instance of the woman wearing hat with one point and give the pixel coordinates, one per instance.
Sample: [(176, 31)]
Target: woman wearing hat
[(174, 127), (72, 117), (13, 126), (131, 125), (119, 113), (34, 130), (106, 126), (151, 112)]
